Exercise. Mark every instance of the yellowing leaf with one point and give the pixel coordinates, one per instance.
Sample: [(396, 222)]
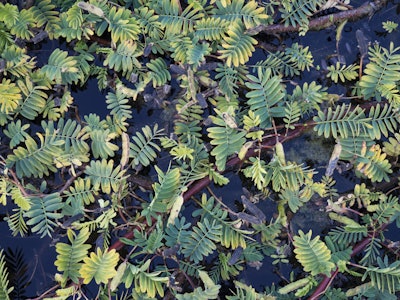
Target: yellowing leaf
[(100, 266)]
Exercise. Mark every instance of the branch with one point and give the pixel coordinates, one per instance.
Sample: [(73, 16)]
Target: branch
[(367, 9)]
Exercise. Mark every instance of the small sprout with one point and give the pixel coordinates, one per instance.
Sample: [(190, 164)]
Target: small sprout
[(390, 26)]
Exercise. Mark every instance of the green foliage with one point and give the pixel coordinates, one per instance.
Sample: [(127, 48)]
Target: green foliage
[(43, 214), (17, 62), (124, 58), (100, 266), (4, 289), (342, 121), (61, 68), (146, 282), (159, 73), (188, 64), (227, 140), (166, 190), (266, 92), (16, 132), (210, 290), (10, 96), (237, 46), (143, 148), (201, 241), (385, 277), (103, 174), (381, 74), (390, 26), (35, 160), (313, 254), (121, 25), (344, 73), (231, 236), (69, 258)]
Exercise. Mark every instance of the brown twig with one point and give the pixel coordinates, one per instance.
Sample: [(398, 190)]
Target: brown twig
[(367, 9)]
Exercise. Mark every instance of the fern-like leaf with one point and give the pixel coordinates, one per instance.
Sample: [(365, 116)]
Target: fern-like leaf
[(176, 21), (143, 146), (229, 77), (386, 277), (342, 72), (166, 190), (384, 120), (313, 254), (16, 132), (256, 171), (248, 12), (382, 72), (5, 290), (122, 25), (226, 140), (237, 46), (33, 160), (100, 266), (16, 223), (59, 66), (149, 22), (124, 58), (101, 143), (291, 62), (103, 174), (201, 242), (148, 283), (8, 14), (298, 13), (45, 14), (159, 73), (265, 95), (231, 237), (17, 62), (10, 96), (34, 99), (81, 192), (374, 165), (69, 258), (392, 147), (75, 149), (118, 104), (42, 215), (211, 29), (343, 120)]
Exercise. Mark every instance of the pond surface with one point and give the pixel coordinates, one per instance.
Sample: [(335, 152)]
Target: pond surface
[(39, 256)]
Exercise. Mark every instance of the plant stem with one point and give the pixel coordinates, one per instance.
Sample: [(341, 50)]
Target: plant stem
[(367, 9)]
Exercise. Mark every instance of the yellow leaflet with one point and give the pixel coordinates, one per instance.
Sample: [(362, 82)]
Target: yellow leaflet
[(176, 208)]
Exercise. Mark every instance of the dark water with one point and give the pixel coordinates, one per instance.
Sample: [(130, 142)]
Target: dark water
[(39, 256)]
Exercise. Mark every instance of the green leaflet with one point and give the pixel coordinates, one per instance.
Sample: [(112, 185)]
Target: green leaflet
[(313, 254), (265, 93), (103, 174), (226, 140), (43, 214), (99, 266), (69, 258)]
